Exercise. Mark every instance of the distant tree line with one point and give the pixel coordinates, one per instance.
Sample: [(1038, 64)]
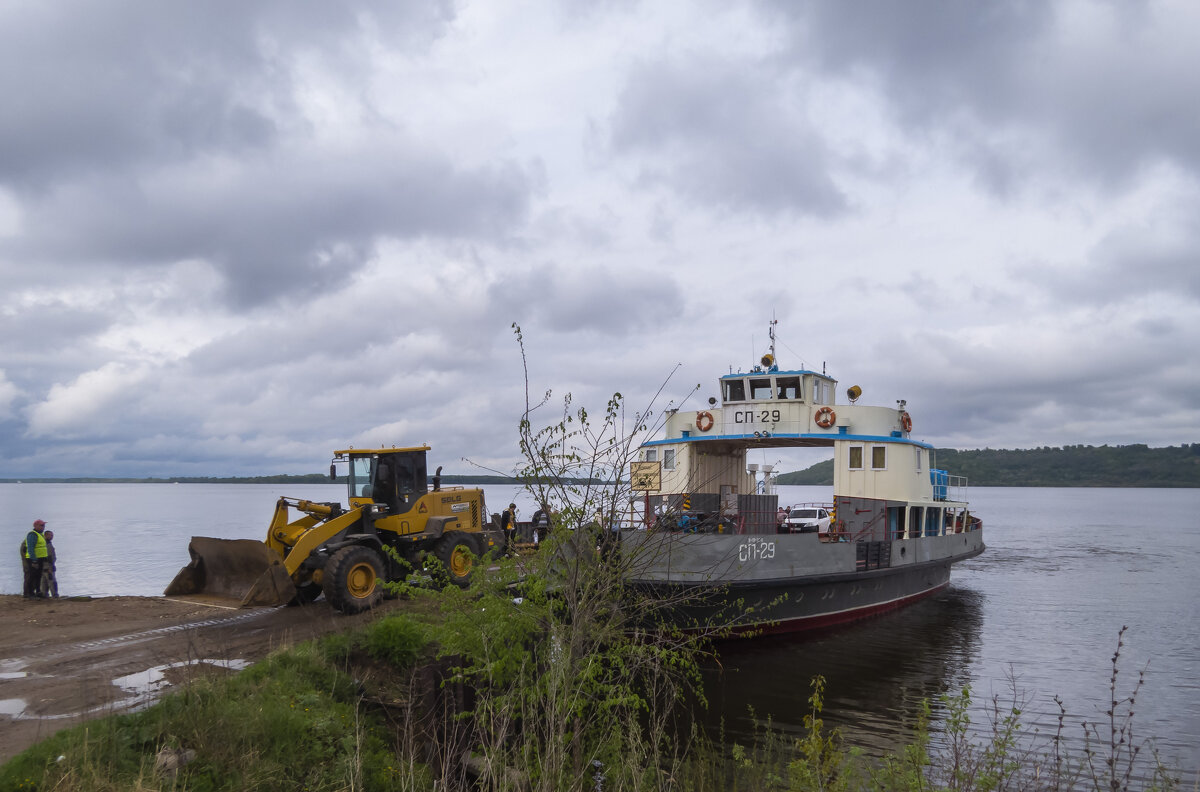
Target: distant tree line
[(1069, 466), (305, 478)]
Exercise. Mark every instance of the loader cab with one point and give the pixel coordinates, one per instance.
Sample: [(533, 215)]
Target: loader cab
[(393, 477)]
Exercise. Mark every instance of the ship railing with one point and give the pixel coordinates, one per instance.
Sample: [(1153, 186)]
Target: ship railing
[(826, 505), (843, 535), (750, 521), (947, 487)]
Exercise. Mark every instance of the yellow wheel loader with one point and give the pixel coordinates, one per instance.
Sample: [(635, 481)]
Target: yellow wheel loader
[(340, 551)]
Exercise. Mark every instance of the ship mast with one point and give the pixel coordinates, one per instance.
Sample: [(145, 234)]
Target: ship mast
[(771, 335)]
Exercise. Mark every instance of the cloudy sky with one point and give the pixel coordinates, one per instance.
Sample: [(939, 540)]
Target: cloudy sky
[(237, 235)]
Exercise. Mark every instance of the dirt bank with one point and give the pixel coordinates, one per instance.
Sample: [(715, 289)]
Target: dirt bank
[(64, 661)]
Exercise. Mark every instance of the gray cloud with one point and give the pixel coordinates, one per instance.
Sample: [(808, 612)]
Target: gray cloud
[(1132, 263), (137, 83), (1100, 89), (1139, 261), (600, 300), (296, 224), (149, 135), (708, 129)]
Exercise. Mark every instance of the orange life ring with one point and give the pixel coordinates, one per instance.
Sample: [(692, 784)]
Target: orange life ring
[(905, 421), (825, 417), (704, 420)]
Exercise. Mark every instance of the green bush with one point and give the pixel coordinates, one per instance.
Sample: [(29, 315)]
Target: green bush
[(397, 640)]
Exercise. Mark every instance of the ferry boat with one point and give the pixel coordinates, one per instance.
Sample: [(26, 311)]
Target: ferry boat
[(715, 546)]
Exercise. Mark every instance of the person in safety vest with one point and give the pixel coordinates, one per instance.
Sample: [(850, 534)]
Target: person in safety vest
[(508, 524), (36, 552)]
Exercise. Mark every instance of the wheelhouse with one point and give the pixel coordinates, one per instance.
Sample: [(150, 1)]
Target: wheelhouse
[(806, 387)]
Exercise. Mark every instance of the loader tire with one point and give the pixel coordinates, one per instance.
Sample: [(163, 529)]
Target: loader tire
[(458, 554), (354, 579)]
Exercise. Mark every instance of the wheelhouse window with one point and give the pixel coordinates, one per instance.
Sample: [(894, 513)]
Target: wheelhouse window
[(760, 388), (668, 458), (735, 390), (856, 458), (879, 457), (789, 387)]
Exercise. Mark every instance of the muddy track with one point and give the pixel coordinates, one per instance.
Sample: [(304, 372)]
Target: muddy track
[(66, 661)]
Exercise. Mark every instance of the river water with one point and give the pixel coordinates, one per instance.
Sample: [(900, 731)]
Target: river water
[(1065, 569)]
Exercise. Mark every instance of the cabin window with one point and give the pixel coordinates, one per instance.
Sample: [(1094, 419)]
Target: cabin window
[(360, 477), (651, 455), (760, 388), (856, 459), (789, 387), (735, 390), (917, 452), (668, 458), (407, 478), (879, 458), (822, 392)]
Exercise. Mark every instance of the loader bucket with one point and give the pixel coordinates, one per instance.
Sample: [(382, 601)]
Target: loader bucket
[(232, 572)]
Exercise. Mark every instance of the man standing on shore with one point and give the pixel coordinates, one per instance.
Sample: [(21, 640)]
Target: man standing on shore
[(49, 587), (23, 552), (36, 553)]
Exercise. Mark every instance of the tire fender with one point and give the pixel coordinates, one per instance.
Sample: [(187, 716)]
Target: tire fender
[(435, 527)]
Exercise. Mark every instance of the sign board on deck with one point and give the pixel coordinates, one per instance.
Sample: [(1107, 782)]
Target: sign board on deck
[(645, 476)]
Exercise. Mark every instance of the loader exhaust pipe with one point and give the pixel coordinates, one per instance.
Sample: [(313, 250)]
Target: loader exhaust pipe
[(233, 573)]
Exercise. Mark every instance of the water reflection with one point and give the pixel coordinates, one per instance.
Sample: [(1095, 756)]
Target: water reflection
[(877, 673), (140, 689)]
